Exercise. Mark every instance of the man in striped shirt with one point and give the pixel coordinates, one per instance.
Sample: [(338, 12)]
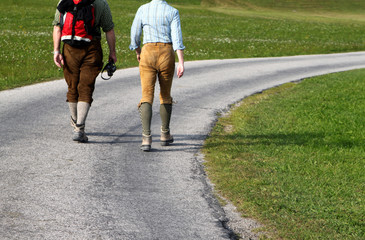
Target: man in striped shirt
[(160, 24)]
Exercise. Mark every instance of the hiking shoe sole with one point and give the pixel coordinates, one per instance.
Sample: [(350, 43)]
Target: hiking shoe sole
[(80, 137), (145, 148), (167, 142)]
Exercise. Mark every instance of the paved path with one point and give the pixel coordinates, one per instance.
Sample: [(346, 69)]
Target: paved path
[(53, 188)]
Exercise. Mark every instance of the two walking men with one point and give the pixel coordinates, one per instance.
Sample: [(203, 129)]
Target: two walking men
[(161, 28)]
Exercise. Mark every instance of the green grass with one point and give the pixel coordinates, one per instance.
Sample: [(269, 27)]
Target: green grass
[(25, 46), (353, 6), (294, 158), (213, 32)]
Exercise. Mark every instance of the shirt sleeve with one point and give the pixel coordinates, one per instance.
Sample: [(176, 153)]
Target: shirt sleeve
[(136, 30), (176, 33), (106, 19), (56, 20)]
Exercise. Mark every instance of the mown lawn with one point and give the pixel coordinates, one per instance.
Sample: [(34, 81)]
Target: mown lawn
[(294, 158)]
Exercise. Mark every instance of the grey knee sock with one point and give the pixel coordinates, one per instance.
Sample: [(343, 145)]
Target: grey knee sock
[(145, 111), (165, 113), (73, 110), (82, 111)]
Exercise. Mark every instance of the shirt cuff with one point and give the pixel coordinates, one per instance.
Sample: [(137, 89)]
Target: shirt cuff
[(133, 47), (179, 47)]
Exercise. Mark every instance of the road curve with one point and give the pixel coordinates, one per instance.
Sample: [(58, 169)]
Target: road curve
[(53, 188)]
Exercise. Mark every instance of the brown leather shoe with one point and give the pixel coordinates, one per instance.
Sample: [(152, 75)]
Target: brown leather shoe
[(146, 143), (166, 138)]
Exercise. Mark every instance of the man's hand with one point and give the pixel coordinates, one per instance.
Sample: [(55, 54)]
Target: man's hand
[(138, 54), (58, 59), (180, 70), (180, 67), (113, 56)]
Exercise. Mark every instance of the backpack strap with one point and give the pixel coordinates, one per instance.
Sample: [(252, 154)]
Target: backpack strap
[(74, 20), (68, 5), (65, 6)]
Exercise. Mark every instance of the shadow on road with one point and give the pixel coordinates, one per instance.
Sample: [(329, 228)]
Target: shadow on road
[(181, 142)]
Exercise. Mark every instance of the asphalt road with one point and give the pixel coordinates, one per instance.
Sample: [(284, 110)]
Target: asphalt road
[(54, 188)]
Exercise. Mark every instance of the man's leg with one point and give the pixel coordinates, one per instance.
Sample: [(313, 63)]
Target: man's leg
[(71, 70), (165, 113), (79, 131), (148, 73), (145, 111), (73, 112), (73, 58), (166, 73), (90, 68)]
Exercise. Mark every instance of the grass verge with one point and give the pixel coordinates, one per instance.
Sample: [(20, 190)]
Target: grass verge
[(293, 157)]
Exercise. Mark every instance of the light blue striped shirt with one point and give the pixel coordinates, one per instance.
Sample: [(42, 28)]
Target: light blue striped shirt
[(160, 23)]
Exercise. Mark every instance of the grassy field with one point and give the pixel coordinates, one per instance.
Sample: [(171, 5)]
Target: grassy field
[(294, 158), (211, 31), (340, 6)]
